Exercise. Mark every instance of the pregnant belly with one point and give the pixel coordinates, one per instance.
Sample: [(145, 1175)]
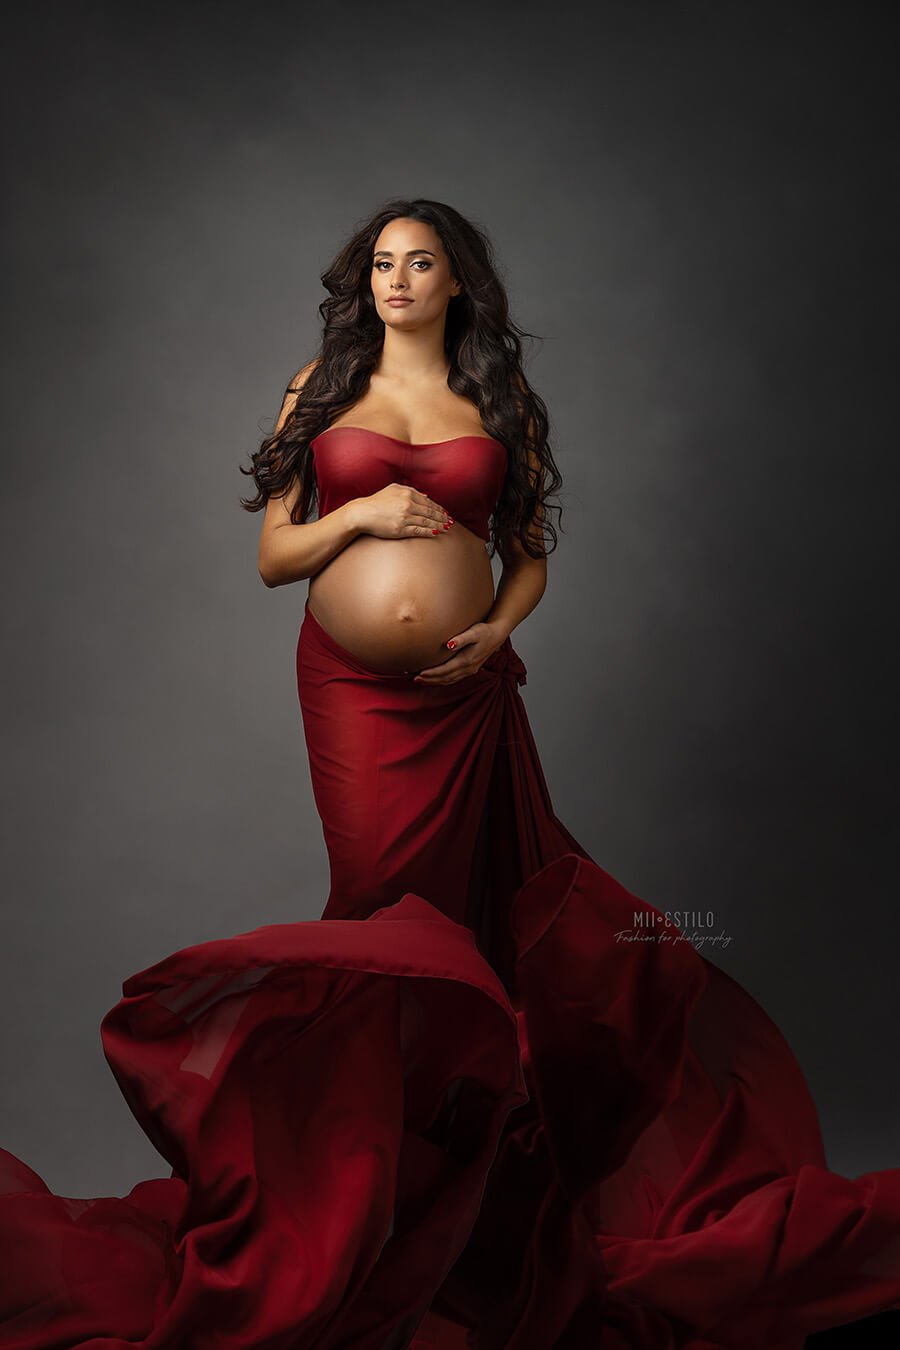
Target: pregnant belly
[(393, 603)]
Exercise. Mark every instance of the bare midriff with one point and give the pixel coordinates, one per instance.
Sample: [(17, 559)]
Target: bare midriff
[(393, 603)]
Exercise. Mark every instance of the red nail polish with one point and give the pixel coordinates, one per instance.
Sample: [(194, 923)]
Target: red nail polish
[(451, 645), (435, 531)]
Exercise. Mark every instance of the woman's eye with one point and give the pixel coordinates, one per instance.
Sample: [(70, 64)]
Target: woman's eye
[(419, 262)]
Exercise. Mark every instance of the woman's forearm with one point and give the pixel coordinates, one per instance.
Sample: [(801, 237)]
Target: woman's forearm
[(520, 588), (294, 552)]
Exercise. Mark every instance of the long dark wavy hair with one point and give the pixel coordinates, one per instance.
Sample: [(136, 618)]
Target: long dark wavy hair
[(484, 348)]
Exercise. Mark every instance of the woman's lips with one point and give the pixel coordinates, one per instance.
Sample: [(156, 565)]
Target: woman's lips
[(398, 302)]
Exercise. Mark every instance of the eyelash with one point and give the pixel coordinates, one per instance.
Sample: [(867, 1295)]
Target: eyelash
[(384, 262)]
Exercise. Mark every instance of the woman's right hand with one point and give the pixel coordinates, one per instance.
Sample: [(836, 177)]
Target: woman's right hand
[(399, 511)]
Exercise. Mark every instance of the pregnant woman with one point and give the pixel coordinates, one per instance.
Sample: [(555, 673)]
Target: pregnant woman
[(405, 667), (456, 1110)]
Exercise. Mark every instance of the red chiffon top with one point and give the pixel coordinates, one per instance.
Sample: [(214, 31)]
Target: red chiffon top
[(464, 475)]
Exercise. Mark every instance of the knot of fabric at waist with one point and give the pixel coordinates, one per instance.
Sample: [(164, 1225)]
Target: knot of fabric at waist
[(507, 662)]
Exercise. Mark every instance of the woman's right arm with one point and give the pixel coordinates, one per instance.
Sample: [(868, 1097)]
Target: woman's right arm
[(289, 552)]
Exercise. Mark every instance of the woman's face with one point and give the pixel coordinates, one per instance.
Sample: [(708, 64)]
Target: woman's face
[(408, 260)]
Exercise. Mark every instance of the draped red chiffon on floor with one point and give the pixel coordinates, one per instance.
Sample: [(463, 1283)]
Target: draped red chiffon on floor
[(459, 1109)]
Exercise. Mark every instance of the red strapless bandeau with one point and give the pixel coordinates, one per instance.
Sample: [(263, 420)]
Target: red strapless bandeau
[(465, 475)]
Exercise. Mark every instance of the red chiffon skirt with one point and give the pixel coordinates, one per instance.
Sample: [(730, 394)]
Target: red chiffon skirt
[(457, 1110)]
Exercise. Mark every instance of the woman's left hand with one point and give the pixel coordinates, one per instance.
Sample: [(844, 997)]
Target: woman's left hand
[(471, 648)]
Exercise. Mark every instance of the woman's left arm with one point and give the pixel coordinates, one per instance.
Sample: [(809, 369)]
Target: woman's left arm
[(523, 579), (521, 585)]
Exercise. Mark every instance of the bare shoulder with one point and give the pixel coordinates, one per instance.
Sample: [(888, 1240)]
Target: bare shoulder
[(299, 380), (295, 385)]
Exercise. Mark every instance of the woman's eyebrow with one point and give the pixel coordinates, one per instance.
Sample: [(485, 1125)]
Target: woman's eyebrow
[(409, 252)]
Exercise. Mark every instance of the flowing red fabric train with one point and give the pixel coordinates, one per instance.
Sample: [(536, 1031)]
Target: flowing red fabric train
[(329, 1096), (457, 1111)]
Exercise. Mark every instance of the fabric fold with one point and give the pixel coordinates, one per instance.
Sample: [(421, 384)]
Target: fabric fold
[(460, 1111), (329, 1131)]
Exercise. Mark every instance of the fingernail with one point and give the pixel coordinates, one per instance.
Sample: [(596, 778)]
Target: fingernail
[(446, 527), (450, 518), (451, 645), (435, 531)]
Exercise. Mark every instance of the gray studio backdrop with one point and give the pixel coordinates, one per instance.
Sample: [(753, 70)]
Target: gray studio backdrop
[(690, 204)]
